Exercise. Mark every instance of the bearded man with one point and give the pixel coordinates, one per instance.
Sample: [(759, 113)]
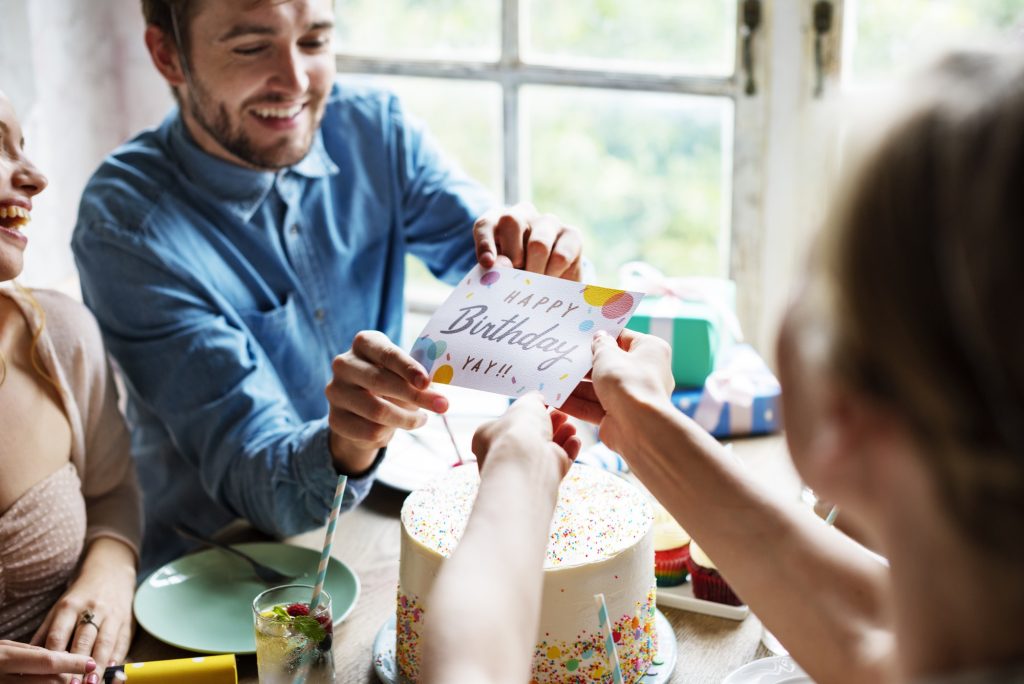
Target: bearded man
[(251, 250)]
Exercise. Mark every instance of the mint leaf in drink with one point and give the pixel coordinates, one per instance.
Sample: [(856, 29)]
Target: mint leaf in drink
[(309, 628), (281, 614)]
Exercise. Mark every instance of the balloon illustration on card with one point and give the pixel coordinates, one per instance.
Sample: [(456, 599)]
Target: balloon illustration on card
[(502, 332), (443, 375), (613, 303), (426, 351), (597, 296)]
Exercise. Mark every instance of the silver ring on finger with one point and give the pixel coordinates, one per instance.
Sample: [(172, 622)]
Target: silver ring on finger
[(87, 617)]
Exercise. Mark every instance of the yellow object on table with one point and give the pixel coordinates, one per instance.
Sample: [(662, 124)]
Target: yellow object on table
[(219, 669)]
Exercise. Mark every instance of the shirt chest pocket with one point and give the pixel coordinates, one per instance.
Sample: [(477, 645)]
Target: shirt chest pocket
[(287, 342)]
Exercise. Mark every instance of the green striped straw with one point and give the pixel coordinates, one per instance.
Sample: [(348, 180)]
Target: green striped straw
[(609, 642), (325, 556)]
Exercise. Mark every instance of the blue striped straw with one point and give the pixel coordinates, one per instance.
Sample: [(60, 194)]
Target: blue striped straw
[(830, 519), (609, 642), (332, 521)]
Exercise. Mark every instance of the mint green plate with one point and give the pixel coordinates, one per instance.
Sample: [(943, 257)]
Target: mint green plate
[(203, 601)]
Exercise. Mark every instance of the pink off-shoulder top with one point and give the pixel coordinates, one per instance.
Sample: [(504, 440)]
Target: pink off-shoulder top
[(43, 534)]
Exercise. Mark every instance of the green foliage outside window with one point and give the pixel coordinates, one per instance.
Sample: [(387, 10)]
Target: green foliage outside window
[(643, 175)]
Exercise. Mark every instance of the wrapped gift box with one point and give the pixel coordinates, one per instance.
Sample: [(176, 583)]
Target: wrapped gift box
[(692, 330), (740, 397), (696, 316)]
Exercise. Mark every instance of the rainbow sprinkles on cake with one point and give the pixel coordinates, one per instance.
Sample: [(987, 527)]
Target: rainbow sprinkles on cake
[(601, 541)]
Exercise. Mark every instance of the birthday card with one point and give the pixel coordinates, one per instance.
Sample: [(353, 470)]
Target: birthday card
[(508, 331)]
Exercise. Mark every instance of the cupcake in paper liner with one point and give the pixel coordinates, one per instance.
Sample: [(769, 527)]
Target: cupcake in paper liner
[(708, 584), (671, 549)]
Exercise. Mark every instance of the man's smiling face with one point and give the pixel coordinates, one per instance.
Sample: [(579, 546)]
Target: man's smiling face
[(259, 74)]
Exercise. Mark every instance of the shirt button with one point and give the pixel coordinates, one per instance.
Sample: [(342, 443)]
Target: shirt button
[(294, 229), (320, 314)]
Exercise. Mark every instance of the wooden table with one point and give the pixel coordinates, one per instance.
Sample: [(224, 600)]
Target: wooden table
[(367, 540)]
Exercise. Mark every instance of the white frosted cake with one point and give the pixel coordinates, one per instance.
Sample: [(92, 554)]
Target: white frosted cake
[(601, 541)]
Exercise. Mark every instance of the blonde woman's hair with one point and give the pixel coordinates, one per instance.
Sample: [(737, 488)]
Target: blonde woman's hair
[(924, 257), (34, 357)]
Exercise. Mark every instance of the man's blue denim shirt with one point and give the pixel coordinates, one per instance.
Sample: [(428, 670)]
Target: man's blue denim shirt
[(223, 294)]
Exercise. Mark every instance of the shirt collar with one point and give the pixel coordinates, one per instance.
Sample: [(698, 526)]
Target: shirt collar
[(238, 189), (317, 163)]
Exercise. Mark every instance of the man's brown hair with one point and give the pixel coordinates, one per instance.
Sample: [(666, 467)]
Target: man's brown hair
[(173, 18)]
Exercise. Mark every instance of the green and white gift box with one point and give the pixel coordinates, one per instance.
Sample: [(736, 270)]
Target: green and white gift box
[(695, 315)]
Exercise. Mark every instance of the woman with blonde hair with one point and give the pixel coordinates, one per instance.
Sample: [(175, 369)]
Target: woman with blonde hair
[(902, 366), (70, 519)]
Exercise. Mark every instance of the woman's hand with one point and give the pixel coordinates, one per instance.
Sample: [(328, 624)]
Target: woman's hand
[(23, 663), (105, 587), (529, 434), (636, 371), (497, 565)]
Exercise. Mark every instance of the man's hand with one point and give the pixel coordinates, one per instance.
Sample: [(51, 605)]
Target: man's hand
[(376, 389), (521, 237)]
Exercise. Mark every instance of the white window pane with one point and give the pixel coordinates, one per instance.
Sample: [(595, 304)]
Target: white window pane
[(890, 37), (689, 36), (413, 28), (644, 175)]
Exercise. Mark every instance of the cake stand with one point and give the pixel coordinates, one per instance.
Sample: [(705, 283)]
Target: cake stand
[(386, 667)]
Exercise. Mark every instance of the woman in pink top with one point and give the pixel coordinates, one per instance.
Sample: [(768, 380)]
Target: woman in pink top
[(70, 519)]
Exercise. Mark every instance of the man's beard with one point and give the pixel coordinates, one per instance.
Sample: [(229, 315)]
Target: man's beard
[(238, 142)]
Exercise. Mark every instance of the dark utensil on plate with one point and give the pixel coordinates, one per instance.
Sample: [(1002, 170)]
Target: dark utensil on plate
[(265, 573)]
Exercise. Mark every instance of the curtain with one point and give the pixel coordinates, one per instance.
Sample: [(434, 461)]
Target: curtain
[(81, 82)]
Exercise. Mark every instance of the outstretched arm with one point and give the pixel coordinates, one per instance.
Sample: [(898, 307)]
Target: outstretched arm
[(818, 592), (497, 568)]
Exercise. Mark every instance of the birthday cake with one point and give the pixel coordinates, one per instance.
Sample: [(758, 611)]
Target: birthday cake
[(601, 541)]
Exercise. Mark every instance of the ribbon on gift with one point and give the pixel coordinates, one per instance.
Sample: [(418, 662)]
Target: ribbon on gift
[(639, 276), (742, 378)]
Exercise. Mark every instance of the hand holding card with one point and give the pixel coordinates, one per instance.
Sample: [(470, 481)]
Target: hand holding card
[(375, 389), (508, 331)]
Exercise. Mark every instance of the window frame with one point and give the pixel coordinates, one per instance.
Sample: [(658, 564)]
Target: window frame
[(741, 242)]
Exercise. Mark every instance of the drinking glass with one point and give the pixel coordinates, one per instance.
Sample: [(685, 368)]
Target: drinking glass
[(293, 643)]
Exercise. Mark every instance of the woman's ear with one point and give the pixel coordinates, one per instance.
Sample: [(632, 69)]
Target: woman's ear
[(854, 449), (164, 53), (830, 462)]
